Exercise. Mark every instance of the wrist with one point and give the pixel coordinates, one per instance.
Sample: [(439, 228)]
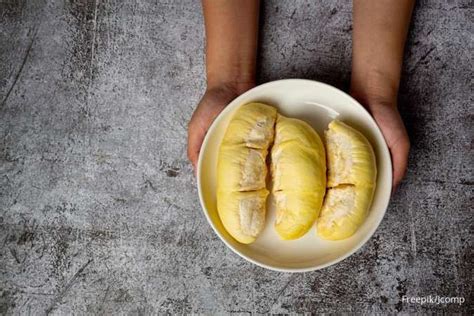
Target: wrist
[(234, 72), (374, 87), (236, 84), (227, 91)]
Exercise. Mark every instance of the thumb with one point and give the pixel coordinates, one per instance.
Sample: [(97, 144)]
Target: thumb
[(399, 153), (195, 139)]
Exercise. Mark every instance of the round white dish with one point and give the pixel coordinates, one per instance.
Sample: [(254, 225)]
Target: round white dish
[(317, 104)]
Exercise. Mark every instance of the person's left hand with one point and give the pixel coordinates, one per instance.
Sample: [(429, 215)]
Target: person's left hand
[(390, 123)]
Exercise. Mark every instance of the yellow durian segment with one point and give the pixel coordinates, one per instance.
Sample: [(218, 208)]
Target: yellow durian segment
[(296, 212), (243, 213), (251, 126), (351, 159), (345, 209), (242, 168), (291, 129), (242, 171), (298, 168), (352, 173), (299, 176)]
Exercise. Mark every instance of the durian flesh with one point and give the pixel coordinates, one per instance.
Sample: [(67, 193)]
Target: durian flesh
[(299, 176), (351, 182), (242, 170)]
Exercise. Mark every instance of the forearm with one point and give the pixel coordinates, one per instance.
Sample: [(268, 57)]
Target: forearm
[(379, 32), (231, 42)]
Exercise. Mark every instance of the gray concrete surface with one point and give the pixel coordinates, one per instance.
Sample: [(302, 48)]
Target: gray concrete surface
[(99, 211)]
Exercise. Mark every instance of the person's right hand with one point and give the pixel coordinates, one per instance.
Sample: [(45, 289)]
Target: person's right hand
[(231, 57), (212, 103)]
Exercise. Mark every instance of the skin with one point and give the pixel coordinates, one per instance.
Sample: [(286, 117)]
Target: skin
[(379, 36), (231, 54), (378, 42)]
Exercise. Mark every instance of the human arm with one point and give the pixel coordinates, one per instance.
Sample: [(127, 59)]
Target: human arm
[(231, 49), (380, 28)]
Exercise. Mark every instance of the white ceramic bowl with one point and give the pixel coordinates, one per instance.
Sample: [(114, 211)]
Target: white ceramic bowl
[(317, 104)]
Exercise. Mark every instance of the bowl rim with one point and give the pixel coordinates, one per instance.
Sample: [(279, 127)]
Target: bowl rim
[(275, 268)]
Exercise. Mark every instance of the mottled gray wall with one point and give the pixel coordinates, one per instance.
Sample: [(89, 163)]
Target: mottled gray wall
[(98, 205)]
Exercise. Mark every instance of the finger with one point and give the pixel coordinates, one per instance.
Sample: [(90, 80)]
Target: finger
[(193, 150), (195, 137), (399, 153)]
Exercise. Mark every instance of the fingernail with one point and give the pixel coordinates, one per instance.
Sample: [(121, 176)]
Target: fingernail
[(394, 190)]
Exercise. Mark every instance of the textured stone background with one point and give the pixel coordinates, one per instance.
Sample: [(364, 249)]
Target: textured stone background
[(98, 205)]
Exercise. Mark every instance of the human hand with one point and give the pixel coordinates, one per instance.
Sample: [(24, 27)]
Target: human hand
[(212, 103), (386, 114), (231, 56), (377, 55)]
